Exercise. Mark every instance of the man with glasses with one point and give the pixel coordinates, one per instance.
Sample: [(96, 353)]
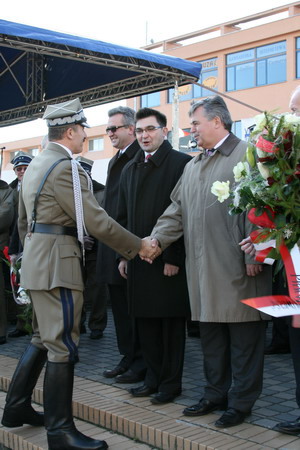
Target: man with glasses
[(157, 293), (120, 129)]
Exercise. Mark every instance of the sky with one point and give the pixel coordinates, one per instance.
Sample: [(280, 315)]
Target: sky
[(131, 23)]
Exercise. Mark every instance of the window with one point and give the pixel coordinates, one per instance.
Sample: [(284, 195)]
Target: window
[(96, 145), (150, 100), (298, 57), (237, 129), (256, 67), (12, 155), (208, 77), (33, 151)]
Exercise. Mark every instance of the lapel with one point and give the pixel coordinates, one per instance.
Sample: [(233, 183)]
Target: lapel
[(158, 158), (124, 158), (143, 170), (229, 145)]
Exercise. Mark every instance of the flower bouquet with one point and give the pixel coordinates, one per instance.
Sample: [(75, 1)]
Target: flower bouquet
[(267, 182), (20, 294), (267, 186)]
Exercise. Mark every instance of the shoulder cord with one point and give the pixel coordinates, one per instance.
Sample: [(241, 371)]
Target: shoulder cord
[(81, 228)]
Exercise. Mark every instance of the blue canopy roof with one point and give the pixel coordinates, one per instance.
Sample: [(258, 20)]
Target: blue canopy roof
[(38, 67)]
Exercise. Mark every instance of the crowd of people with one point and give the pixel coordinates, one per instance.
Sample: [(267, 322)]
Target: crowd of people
[(156, 243)]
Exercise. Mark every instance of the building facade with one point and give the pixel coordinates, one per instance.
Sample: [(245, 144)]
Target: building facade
[(253, 61)]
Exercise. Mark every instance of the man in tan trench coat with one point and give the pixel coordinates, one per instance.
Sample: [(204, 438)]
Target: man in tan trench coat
[(56, 209), (218, 273)]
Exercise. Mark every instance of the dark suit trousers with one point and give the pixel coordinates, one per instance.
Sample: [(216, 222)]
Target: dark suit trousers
[(128, 343), (233, 362), (95, 295), (295, 350), (162, 343), (3, 318)]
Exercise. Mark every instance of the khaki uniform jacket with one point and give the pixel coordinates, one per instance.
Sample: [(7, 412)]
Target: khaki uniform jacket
[(215, 264), (50, 260)]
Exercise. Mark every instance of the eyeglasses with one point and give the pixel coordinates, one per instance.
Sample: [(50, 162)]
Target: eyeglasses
[(149, 129), (114, 129), (20, 169)]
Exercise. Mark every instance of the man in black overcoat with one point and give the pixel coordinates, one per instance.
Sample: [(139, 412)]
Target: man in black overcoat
[(131, 368), (157, 292)]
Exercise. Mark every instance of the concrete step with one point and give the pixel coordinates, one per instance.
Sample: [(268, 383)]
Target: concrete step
[(111, 413)]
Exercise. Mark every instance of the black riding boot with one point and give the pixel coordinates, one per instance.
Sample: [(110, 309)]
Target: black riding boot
[(18, 410), (61, 431)]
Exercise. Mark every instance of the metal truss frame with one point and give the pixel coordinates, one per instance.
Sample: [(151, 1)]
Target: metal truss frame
[(152, 77)]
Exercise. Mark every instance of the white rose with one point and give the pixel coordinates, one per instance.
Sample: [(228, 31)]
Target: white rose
[(264, 171), (240, 170), (221, 190)]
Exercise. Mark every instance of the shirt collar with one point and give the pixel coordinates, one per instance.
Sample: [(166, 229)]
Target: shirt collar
[(65, 148), (221, 141)]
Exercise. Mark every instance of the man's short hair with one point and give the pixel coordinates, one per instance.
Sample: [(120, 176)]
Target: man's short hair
[(214, 107), (57, 133), (143, 113), (127, 113)]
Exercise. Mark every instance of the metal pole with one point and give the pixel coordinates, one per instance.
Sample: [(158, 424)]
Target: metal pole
[(1, 161), (175, 124)]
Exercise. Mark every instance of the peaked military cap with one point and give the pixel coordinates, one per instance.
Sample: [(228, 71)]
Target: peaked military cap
[(21, 159), (66, 113), (85, 163)]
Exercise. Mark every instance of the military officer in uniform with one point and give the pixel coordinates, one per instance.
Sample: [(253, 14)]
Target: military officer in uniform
[(56, 210), (20, 163)]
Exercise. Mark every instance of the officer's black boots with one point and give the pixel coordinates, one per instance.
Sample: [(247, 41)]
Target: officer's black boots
[(18, 410), (61, 431)]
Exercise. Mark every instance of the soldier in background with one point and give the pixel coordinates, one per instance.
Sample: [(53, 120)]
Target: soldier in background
[(95, 294), (20, 163), (6, 218)]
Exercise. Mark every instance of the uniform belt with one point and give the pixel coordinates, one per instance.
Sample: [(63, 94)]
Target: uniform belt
[(54, 229)]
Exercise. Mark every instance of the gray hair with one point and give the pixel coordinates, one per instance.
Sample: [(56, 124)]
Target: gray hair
[(213, 107), (127, 113)]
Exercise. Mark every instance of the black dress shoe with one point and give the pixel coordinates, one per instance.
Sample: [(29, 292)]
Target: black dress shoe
[(82, 329), (96, 334), (142, 391), (17, 333), (164, 397), (129, 377), (289, 427), (203, 407), (2, 340), (231, 417), (118, 370)]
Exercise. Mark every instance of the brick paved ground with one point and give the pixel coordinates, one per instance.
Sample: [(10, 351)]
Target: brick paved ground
[(277, 402)]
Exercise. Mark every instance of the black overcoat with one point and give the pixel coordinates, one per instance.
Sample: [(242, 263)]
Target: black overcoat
[(107, 268), (145, 190)]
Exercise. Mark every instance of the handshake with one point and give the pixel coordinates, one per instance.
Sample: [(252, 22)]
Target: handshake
[(150, 249)]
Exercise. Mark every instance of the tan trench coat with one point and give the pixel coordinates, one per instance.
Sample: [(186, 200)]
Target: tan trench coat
[(215, 264), (50, 260)]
